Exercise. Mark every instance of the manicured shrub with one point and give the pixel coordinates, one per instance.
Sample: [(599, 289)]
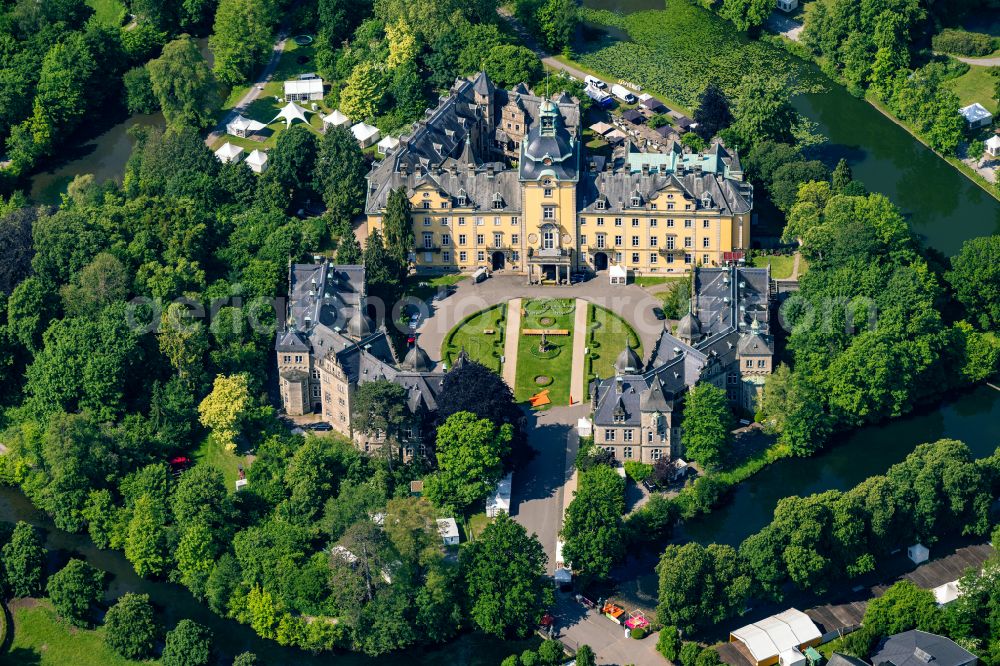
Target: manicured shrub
[(963, 43), (639, 633)]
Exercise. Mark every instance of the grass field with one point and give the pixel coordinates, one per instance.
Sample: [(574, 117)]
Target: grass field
[(556, 313), (108, 12), (606, 339), (42, 639), (781, 265), (425, 286), (471, 335), (212, 453), (976, 85)]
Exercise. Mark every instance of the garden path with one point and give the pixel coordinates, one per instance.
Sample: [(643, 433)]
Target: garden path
[(577, 388), (511, 337)]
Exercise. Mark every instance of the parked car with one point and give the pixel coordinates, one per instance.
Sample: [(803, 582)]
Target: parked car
[(659, 314), (594, 81), (481, 274), (623, 94), (414, 321), (320, 425)]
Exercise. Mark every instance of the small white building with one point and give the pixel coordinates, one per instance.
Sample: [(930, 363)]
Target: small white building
[(947, 593), (257, 161), (448, 529), (976, 115), (335, 119), (365, 134), (243, 127), (918, 553), (787, 5), (993, 146), (387, 145), (618, 274), (780, 638), (303, 90), (499, 501), (229, 153)]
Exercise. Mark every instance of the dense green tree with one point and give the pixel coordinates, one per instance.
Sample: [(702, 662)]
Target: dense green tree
[(348, 250), (505, 573), (201, 496), (707, 424), (470, 454), (398, 228), (74, 589), (129, 628), (902, 607), (361, 94), (700, 586), (592, 528), (509, 64), (293, 162), (842, 176), (184, 84), (15, 247), (975, 277), (669, 643), (195, 554), (339, 175), (472, 387), (381, 271), (746, 15), (226, 409), (145, 543), (713, 114), (139, 96), (24, 561), (554, 22), (380, 412), (188, 644), (242, 38), (245, 659), (763, 112), (100, 283), (689, 652), (585, 656)]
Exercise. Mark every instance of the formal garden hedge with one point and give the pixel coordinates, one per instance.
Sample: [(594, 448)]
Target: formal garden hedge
[(469, 334)]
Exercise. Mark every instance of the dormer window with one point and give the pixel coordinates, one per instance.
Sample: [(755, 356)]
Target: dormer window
[(636, 202), (706, 200), (601, 204), (497, 201), (463, 199), (619, 416)]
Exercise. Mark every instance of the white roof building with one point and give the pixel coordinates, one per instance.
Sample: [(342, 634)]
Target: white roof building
[(947, 593), (241, 126), (291, 112), (257, 161), (229, 153), (976, 115), (448, 529), (618, 274), (387, 145), (993, 145), (499, 501), (336, 119), (365, 134), (773, 636), (918, 553), (304, 89)]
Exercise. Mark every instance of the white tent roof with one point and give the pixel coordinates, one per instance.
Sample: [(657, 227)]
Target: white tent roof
[(304, 86), (336, 119), (388, 143), (975, 112), (617, 270), (773, 635), (290, 112), (993, 143), (364, 131), (501, 498), (257, 157), (245, 124), (447, 528), (947, 593), (229, 152)]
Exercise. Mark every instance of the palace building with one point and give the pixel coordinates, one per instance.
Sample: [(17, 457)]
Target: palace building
[(500, 178), (724, 339)]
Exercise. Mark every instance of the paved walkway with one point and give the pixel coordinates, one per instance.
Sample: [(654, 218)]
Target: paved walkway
[(256, 88), (512, 335), (633, 303), (577, 383)]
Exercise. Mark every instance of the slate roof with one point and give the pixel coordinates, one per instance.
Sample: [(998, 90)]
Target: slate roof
[(725, 302), (919, 648), (838, 659)]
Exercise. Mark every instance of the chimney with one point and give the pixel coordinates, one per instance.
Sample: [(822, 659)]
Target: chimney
[(619, 384), (645, 169)]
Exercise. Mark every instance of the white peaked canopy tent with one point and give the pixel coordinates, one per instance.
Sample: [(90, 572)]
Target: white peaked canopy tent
[(229, 153), (365, 134), (387, 145), (291, 112), (242, 126), (336, 119), (257, 161)]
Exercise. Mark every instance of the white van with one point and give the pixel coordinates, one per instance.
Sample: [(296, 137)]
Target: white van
[(624, 94), (594, 81), (480, 274)]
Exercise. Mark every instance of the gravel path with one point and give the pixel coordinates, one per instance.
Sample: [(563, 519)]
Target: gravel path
[(512, 337), (577, 388)]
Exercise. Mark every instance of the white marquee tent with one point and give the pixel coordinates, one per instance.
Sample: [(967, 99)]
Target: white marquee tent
[(257, 161), (772, 636), (335, 119), (365, 134), (229, 153), (242, 126), (291, 112), (386, 145)]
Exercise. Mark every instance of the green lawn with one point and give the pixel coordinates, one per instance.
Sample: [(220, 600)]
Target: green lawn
[(781, 265), (606, 340), (976, 85), (425, 286), (650, 280), (556, 313), (471, 335), (108, 12), (42, 639), (212, 453)]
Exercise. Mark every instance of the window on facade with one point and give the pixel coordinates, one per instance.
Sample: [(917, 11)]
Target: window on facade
[(515, 239), (749, 363), (548, 240), (635, 241), (618, 257), (444, 221), (497, 203), (461, 221), (600, 241), (286, 358), (600, 221), (688, 258), (704, 260), (446, 256), (652, 257), (341, 402), (425, 204), (705, 224), (635, 221), (496, 221), (618, 240), (548, 192), (600, 204), (618, 221), (298, 358), (461, 239), (479, 221), (635, 257), (427, 221), (548, 213), (315, 374), (583, 221), (497, 240), (652, 206), (670, 206), (515, 221), (652, 222), (627, 435), (444, 204), (656, 454), (428, 240), (670, 223), (688, 224), (762, 363), (688, 242), (653, 241), (480, 256), (636, 202), (609, 435), (480, 239), (705, 242), (463, 256), (687, 206), (583, 239), (670, 257), (462, 201), (315, 391), (515, 255), (670, 242), (627, 453), (445, 239), (428, 257)]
